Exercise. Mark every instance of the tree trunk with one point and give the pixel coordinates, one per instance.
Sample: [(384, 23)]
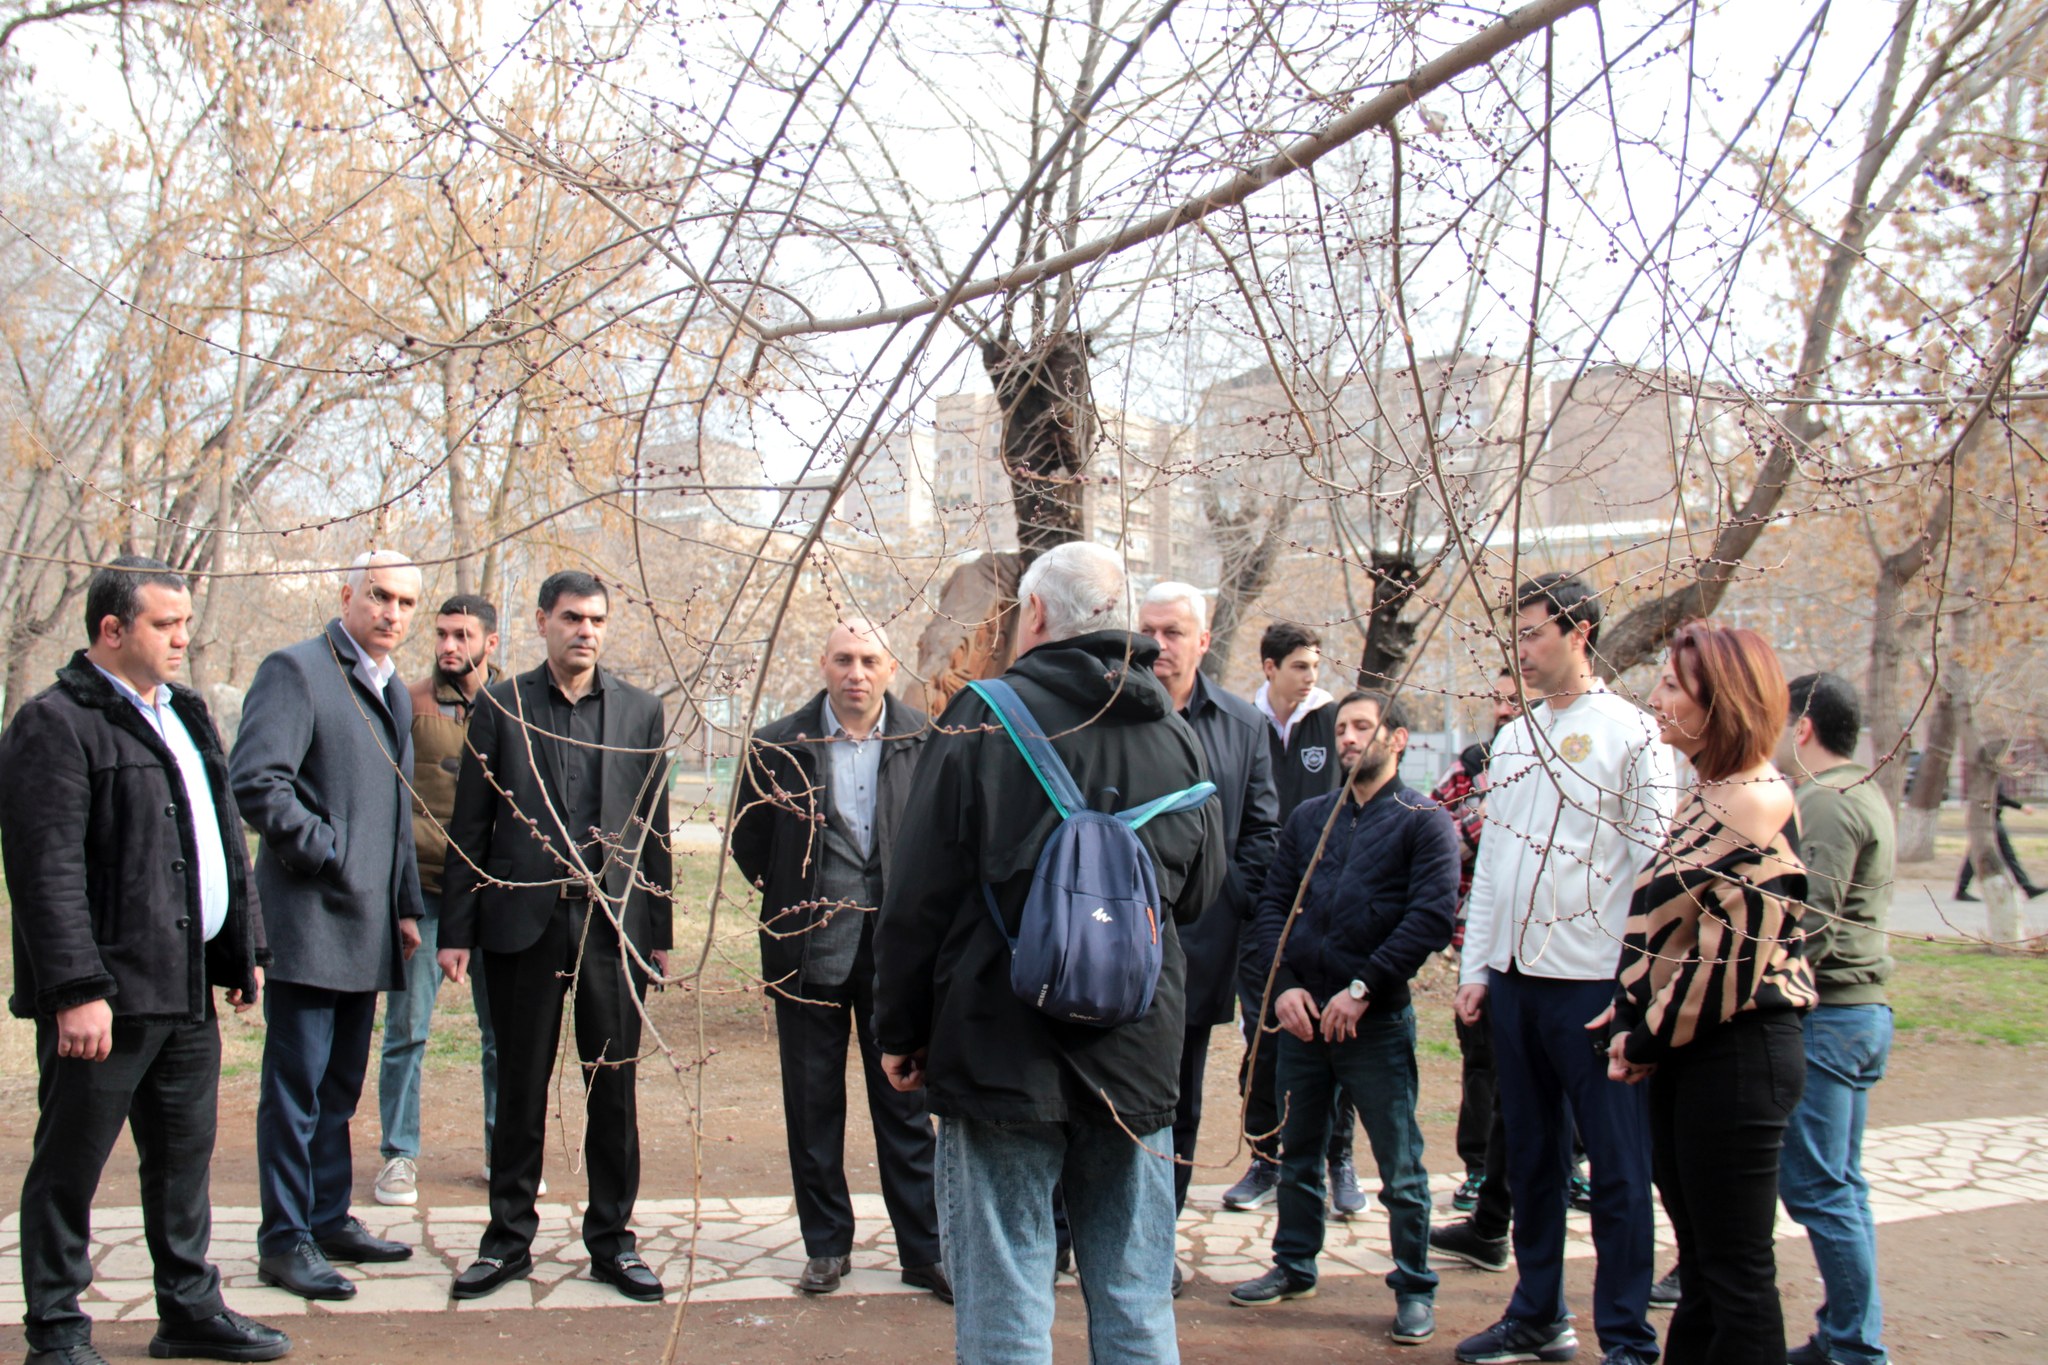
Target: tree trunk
[(1930, 783), (1245, 575), (1049, 429), (1389, 636), (461, 533), (2004, 925), (1888, 617)]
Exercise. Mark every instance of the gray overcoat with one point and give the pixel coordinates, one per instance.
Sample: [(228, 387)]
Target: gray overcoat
[(321, 771)]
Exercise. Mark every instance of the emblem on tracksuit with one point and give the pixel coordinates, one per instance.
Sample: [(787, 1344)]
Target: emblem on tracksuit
[(1314, 757), (1574, 748)]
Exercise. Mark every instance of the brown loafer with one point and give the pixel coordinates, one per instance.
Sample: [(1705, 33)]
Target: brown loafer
[(823, 1273)]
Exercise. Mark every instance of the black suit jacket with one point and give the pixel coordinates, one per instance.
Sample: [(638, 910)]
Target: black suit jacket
[(508, 855), (778, 825)]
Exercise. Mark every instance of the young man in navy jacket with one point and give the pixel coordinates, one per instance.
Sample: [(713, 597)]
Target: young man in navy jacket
[(1382, 897)]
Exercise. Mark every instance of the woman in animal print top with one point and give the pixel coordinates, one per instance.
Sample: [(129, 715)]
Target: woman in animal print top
[(1712, 983)]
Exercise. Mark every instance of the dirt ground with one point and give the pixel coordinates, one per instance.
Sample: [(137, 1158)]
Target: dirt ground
[(1964, 1288)]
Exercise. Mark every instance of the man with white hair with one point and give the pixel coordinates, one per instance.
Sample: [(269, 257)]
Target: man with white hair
[(815, 820), (322, 770), (1175, 617), (1026, 1101)]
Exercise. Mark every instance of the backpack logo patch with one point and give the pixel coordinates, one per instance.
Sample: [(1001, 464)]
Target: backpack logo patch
[(1314, 757)]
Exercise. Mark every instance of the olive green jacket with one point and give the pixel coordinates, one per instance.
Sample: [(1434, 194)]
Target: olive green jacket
[(1847, 840)]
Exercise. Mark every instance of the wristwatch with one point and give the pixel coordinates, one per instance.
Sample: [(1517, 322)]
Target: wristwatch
[(1357, 989)]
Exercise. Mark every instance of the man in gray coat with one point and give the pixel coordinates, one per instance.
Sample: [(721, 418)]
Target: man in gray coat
[(321, 772)]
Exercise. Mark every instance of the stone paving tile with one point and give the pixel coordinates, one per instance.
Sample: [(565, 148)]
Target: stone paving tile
[(751, 1248)]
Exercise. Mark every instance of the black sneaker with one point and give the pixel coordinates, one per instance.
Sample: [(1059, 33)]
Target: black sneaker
[(1664, 1293), (1466, 1197), (1579, 1191), (1462, 1241), (1258, 1187), (1809, 1352), (1346, 1199), (1509, 1341), (1275, 1286)]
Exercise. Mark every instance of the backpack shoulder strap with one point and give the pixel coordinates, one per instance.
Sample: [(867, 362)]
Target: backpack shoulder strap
[(1186, 799), (1031, 742)]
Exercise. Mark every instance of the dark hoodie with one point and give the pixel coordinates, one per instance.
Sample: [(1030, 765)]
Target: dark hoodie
[(976, 814)]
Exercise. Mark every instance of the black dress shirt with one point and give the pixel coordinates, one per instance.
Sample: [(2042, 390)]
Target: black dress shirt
[(574, 772)]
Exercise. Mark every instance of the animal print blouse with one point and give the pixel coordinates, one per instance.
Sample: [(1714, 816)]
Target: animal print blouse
[(1707, 942)]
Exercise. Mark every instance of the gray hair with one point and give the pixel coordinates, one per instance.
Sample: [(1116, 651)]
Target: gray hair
[(359, 567), (1171, 593), (1083, 588)]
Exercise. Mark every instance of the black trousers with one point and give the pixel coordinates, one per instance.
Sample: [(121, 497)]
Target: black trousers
[(316, 1050), (2006, 852), (1476, 1091), (1718, 1109), (526, 991), (1257, 1085), (1187, 1114), (811, 1035), (162, 1080)]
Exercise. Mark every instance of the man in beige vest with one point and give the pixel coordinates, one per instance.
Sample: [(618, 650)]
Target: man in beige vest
[(465, 637)]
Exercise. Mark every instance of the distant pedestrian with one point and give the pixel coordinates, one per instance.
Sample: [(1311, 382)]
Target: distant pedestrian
[(2006, 852), (130, 886), (1848, 843), (1712, 982), (321, 770)]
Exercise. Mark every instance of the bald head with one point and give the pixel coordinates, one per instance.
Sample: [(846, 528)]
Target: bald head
[(378, 599), (858, 666)]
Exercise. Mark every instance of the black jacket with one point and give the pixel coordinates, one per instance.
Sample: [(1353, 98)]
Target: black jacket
[(977, 815), (503, 877), (779, 823), (1233, 735), (1383, 897), (102, 858), (1306, 765)]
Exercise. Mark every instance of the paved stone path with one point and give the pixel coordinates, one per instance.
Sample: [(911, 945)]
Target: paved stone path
[(750, 1248)]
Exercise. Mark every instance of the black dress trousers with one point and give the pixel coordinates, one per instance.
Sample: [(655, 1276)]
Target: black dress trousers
[(162, 1080), (526, 990)]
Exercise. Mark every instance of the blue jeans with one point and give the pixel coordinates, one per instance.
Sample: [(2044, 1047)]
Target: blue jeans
[(408, 1017), (1821, 1174), (995, 1214), (1378, 1067), (1550, 1073)]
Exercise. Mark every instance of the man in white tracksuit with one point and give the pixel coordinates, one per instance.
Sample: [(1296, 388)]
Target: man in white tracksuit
[(1579, 792)]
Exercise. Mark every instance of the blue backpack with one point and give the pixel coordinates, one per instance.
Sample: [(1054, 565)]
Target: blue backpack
[(1087, 947)]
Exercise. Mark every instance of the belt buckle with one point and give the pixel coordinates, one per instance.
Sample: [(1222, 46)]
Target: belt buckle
[(575, 891)]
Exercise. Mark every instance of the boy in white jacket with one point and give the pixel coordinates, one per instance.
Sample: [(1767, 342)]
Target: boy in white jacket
[(1579, 792)]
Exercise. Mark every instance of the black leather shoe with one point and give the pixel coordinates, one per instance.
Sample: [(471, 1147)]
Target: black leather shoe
[(304, 1271), (227, 1335), (932, 1277), (628, 1274), (81, 1354), (354, 1242), (486, 1274), (1180, 1283), (823, 1273)]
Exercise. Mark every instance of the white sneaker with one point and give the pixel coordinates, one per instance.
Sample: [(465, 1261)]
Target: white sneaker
[(537, 1193), (398, 1182)]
